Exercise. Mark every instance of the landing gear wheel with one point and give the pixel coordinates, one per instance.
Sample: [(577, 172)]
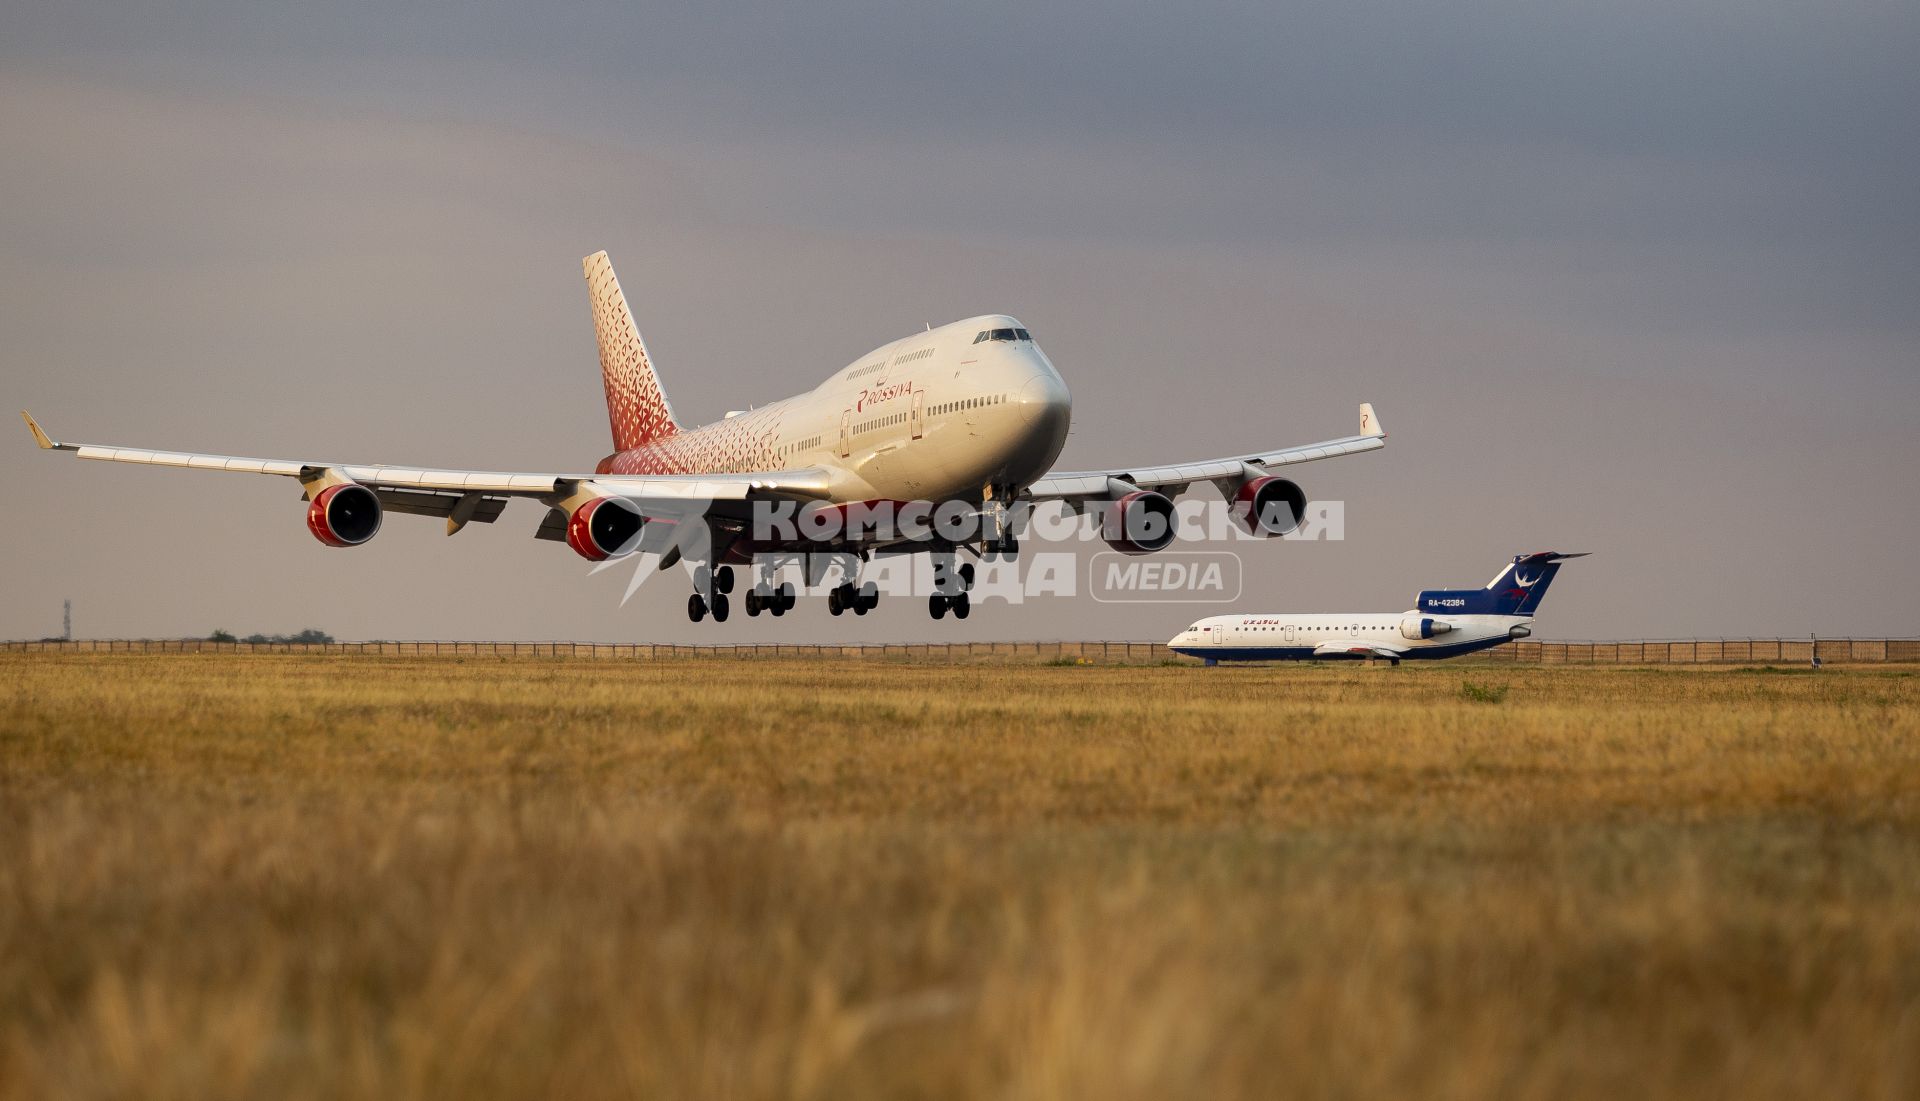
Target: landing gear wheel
[(787, 596), (937, 606), (962, 606), (753, 602), (696, 608), (966, 575), (719, 607), (834, 603), (723, 579), (869, 595), (778, 607)]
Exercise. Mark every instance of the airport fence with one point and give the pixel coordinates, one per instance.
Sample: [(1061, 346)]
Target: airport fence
[(1720, 651), (1529, 652)]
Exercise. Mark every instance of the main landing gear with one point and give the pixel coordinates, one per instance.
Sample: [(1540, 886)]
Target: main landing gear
[(859, 599), (780, 601), (719, 583), (952, 584)]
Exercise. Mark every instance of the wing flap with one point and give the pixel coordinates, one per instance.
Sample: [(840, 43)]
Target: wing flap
[(412, 502)]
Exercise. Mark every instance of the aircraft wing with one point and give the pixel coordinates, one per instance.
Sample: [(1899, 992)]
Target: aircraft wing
[(1357, 649), (440, 492), (1081, 485)]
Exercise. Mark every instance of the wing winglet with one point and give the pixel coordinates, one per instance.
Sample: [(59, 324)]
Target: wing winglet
[(40, 435), (1370, 421)]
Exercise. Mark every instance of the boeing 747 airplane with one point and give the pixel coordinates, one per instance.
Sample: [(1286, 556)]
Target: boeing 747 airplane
[(971, 411), (1443, 623)]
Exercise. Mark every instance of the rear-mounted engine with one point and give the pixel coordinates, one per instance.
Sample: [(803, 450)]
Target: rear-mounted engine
[(1414, 626)]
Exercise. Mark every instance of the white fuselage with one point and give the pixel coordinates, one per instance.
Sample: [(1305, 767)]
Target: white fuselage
[(1324, 636), (939, 415)]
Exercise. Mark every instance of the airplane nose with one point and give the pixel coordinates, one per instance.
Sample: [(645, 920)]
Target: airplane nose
[(1047, 405)]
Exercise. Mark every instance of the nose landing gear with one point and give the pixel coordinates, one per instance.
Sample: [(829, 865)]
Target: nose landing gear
[(996, 523)]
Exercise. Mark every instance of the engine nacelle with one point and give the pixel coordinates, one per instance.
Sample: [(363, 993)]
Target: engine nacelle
[(1140, 522), (1269, 506), (1415, 626), (344, 515), (603, 528)]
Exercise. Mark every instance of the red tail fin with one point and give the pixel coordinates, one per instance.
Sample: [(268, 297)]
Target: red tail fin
[(636, 406)]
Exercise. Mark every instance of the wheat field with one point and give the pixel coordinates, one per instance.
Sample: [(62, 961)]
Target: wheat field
[(325, 877)]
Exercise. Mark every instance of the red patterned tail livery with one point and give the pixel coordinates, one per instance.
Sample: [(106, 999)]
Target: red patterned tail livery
[(636, 406)]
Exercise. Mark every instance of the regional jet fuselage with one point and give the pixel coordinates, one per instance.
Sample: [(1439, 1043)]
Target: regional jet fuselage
[(1442, 623)]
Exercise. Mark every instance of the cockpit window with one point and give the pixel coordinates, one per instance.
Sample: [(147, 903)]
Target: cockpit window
[(1003, 334)]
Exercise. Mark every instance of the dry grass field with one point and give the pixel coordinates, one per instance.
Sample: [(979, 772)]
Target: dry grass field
[(314, 877)]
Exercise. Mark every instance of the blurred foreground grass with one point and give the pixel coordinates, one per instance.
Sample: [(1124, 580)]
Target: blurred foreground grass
[(312, 877)]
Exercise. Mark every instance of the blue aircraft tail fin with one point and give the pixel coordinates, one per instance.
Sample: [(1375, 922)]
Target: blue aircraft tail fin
[(1516, 591)]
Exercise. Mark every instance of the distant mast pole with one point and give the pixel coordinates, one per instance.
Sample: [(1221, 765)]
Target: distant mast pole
[(66, 621)]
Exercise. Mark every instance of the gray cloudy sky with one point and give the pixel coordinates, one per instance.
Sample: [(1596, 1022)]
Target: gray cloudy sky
[(1638, 278)]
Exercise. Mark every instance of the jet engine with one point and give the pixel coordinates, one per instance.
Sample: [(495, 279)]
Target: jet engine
[(344, 515), (1139, 522), (1268, 506), (603, 528), (1415, 626)]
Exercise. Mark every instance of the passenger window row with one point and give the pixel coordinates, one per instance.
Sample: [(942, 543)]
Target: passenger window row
[(901, 418), (881, 422), (969, 403), (798, 445), (1351, 627)]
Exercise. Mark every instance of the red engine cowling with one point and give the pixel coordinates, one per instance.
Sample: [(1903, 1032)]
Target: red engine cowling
[(344, 515), (603, 528), (1140, 522), (1269, 506)]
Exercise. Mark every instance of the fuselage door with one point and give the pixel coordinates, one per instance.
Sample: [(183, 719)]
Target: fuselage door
[(846, 434), (919, 414), (1289, 632), (1220, 634)]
